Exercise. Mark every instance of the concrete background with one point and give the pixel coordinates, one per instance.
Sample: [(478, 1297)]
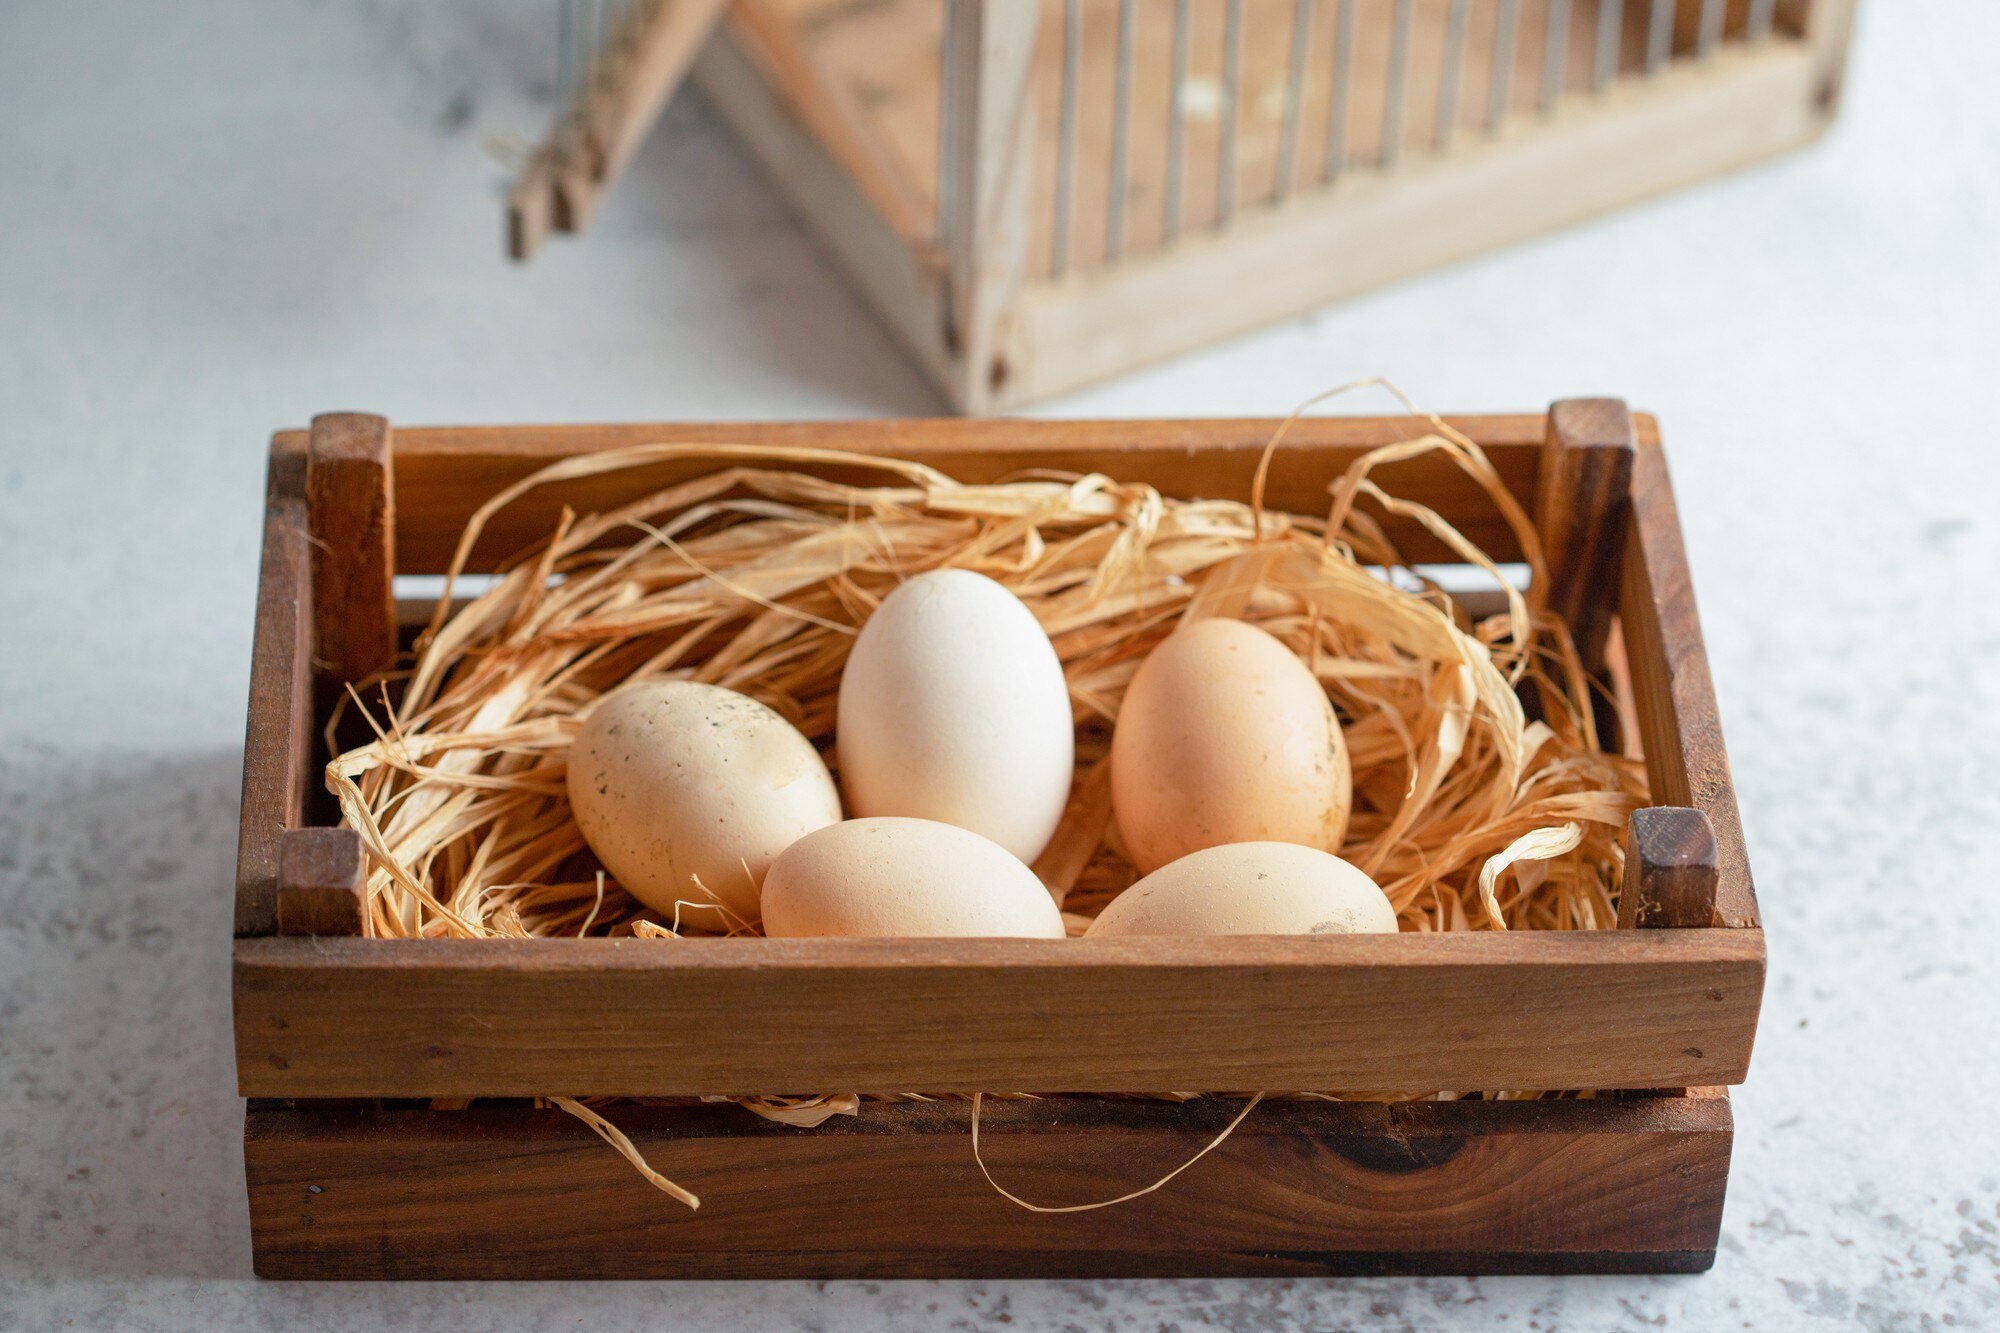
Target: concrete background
[(217, 218)]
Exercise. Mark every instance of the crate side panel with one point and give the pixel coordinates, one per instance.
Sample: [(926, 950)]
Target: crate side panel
[(444, 474), (1598, 1009), (278, 729), (1300, 1188), (1679, 722)]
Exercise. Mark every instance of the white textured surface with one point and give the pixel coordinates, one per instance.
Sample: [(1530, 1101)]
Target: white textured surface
[(220, 218)]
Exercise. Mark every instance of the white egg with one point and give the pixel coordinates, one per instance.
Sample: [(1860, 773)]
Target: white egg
[(953, 708), (908, 878), (687, 793), (1251, 888)]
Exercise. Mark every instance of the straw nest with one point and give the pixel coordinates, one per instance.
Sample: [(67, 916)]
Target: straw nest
[(756, 575)]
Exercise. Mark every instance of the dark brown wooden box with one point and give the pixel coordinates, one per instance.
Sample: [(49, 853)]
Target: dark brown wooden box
[(346, 1180)]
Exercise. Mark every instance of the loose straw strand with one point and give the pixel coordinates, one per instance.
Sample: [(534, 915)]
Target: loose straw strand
[(615, 1136), (1011, 1197)]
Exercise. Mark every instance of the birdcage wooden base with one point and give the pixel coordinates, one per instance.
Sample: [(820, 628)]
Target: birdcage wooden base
[(1300, 1189)]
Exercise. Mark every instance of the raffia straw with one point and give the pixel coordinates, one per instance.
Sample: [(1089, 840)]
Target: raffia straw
[(755, 575), (1011, 1197), (615, 1136)]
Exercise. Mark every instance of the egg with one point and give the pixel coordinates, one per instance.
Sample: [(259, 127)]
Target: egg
[(905, 877), (687, 792), (1224, 736), (953, 708), (1250, 888)]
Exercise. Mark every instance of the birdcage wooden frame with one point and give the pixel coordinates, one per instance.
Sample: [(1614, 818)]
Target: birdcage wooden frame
[(1037, 194)]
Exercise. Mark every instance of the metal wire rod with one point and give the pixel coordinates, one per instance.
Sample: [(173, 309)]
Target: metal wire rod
[(1343, 78), (1555, 54), (1660, 35), (1506, 32), (1121, 135), (1295, 88), (1177, 127), (1066, 137), (1448, 79), (1708, 35), (1170, 224), (1392, 96), (948, 91), (1232, 82), (1610, 41)]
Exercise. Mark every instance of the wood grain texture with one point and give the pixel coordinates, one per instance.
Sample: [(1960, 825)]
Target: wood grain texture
[(1686, 761), (1670, 870), (277, 745), (444, 473), (351, 513), (1580, 514), (399, 1018), (1301, 1188), (322, 882)]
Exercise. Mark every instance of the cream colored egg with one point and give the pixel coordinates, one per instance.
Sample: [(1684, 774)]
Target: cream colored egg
[(688, 792), (905, 877), (1250, 888), (1224, 736), (953, 707)]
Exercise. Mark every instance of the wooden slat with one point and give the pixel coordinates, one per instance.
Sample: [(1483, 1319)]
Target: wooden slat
[(444, 473), (531, 206), (1301, 1188), (771, 40), (322, 882), (1670, 870), (569, 175), (351, 514), (1580, 509), (660, 56), (1686, 761), (1829, 27), (277, 745), (1548, 1009), (985, 171), (887, 255)]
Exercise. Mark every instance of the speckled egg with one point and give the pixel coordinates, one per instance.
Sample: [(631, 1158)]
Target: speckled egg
[(687, 793)]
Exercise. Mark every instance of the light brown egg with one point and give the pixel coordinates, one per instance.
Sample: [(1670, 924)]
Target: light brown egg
[(688, 792), (1225, 736), (905, 877), (1251, 888)]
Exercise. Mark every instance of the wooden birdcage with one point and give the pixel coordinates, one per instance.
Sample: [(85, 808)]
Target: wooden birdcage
[(1037, 194)]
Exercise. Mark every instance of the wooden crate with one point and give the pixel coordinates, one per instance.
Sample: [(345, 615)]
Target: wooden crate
[(1037, 194), (346, 1180)]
